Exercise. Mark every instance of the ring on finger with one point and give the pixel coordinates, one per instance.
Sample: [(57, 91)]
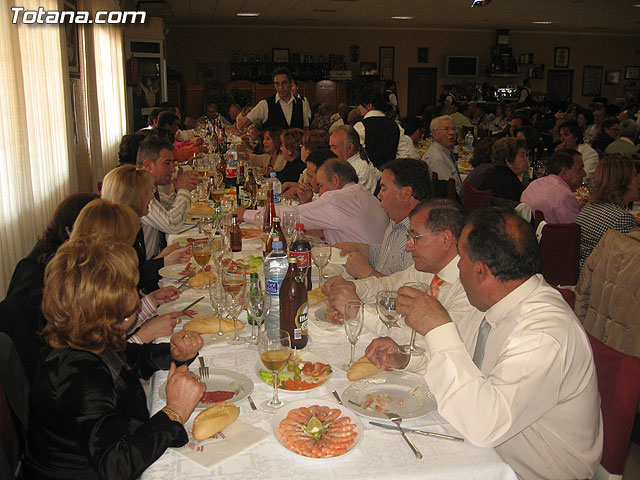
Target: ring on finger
[(185, 335), (196, 377)]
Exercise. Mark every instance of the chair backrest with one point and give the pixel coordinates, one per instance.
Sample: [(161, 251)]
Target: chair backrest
[(619, 386), (560, 253), (475, 199), (538, 216), (450, 189), (568, 295)]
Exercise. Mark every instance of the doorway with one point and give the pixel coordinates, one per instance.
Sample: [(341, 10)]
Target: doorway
[(560, 85), (422, 89)]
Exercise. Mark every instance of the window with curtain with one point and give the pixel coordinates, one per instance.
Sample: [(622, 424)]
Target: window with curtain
[(38, 169)]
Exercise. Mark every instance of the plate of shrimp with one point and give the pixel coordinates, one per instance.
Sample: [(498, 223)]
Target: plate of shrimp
[(319, 429)]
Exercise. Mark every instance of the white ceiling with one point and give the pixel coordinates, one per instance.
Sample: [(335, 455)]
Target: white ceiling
[(587, 16)]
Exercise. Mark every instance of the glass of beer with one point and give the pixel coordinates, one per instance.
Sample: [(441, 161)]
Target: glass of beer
[(274, 347)]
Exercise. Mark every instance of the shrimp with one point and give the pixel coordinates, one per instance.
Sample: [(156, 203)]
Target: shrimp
[(341, 421), (332, 415), (341, 428), (298, 417)]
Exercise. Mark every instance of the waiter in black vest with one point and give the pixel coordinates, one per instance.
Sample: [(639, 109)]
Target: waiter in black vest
[(282, 109), (383, 138)]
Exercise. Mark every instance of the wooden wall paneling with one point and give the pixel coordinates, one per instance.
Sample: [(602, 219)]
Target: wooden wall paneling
[(194, 101)]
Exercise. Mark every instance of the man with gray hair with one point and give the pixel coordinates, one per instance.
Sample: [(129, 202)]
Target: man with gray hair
[(625, 145), (345, 144), (345, 210), (440, 156)]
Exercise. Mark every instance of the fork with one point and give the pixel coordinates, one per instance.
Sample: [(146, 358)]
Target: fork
[(203, 370), (397, 419)]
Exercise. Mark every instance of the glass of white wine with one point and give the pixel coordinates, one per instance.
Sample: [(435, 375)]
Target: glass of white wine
[(274, 347), (320, 254), (201, 251)]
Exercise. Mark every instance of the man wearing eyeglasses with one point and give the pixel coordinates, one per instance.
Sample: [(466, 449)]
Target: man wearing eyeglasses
[(434, 229), (439, 156), (282, 109)]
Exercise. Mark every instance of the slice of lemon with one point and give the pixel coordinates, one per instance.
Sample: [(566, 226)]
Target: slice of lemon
[(314, 426)]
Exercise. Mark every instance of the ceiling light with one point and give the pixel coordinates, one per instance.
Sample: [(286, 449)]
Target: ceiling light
[(543, 22), (402, 18), (247, 14)]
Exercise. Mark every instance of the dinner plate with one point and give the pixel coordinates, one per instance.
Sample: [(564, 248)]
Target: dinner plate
[(203, 307), (173, 271), (300, 357), (183, 239), (282, 413), (331, 270), (319, 319), (408, 397), (220, 379), (336, 258)]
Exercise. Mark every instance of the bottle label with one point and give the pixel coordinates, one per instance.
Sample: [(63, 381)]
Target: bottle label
[(272, 287), (304, 258), (231, 172), (245, 198), (276, 197), (301, 321)]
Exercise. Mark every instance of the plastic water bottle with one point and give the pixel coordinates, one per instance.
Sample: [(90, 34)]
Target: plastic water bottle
[(277, 188), (468, 140), (275, 268)]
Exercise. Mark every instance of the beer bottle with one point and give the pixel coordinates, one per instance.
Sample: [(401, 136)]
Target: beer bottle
[(294, 306), (301, 249), (275, 234), (235, 235)]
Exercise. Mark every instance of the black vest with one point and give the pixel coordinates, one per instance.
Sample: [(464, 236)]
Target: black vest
[(276, 117), (381, 137)]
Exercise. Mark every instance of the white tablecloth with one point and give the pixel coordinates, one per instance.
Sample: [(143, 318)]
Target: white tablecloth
[(382, 454)]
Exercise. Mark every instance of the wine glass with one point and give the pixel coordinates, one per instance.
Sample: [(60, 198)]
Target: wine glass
[(274, 347), (201, 250), (412, 348), (217, 295), (320, 254), (233, 280), (255, 305), (353, 322), (386, 307), (289, 221)]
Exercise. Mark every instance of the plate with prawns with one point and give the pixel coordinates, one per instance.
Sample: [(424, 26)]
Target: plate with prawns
[(319, 429)]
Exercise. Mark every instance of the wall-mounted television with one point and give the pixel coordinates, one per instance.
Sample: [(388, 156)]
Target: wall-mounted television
[(459, 66)]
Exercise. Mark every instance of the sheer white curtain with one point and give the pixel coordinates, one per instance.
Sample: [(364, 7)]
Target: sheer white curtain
[(106, 84), (36, 162)]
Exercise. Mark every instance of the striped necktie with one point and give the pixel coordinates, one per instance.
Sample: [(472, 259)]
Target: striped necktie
[(435, 284)]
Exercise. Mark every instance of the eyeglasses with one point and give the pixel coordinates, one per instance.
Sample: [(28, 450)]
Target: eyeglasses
[(446, 129), (413, 238)]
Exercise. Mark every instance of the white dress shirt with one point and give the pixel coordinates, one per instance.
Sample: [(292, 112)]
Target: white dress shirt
[(535, 399), (368, 175), (590, 159), (259, 114), (405, 144), (440, 160)]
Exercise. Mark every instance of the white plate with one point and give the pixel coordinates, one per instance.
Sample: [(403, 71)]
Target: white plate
[(305, 357), (319, 319), (411, 397), (203, 307), (220, 379), (336, 258), (330, 270), (282, 412), (182, 239), (173, 271)]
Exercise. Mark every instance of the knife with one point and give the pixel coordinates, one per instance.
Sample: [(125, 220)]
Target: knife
[(421, 432), (184, 310)]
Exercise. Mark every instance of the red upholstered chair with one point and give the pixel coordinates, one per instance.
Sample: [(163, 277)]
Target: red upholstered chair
[(444, 188), (560, 253), (475, 199), (538, 216), (568, 295), (619, 387)]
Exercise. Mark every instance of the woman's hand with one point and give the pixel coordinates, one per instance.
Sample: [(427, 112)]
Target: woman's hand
[(160, 326), (185, 345), (184, 390), (168, 249), (164, 295), (182, 255)]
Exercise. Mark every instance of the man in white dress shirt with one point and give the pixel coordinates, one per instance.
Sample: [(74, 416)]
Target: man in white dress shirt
[(345, 144), (440, 156), (528, 387)]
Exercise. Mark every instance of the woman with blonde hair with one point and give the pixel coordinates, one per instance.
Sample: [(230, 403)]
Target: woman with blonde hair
[(291, 144), (88, 417), (105, 221), (616, 183), (511, 159)]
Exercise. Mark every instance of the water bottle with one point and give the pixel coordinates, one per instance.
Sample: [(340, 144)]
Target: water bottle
[(468, 141), (277, 188), (275, 268)]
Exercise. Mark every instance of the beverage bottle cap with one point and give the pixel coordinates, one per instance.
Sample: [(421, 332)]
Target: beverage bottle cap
[(276, 219), (272, 174), (277, 245), (299, 226)]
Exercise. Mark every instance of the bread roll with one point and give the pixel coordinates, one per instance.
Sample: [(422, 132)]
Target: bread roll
[(315, 296), (210, 325), (214, 419), (362, 368), (198, 279)]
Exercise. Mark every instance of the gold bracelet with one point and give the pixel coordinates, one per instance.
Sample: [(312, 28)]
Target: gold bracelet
[(173, 415)]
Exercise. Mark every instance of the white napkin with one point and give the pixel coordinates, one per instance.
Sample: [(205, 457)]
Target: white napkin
[(233, 440)]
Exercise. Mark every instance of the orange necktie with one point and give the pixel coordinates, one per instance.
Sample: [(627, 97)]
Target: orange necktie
[(435, 285)]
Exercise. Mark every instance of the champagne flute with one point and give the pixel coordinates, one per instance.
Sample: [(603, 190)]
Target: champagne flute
[(320, 254), (386, 307), (201, 250), (233, 282), (412, 348), (274, 347), (217, 296), (289, 220), (353, 322), (255, 305)]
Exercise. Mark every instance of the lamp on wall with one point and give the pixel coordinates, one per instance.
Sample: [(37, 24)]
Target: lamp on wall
[(480, 3)]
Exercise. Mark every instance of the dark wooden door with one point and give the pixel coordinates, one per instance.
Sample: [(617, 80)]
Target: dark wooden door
[(422, 89), (560, 85)]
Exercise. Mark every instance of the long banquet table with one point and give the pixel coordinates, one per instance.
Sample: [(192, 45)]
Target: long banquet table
[(381, 454)]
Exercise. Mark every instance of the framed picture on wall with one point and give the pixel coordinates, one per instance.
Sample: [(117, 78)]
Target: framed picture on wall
[(632, 73), (591, 81), (423, 54), (387, 56), (368, 69), (612, 77), (71, 34), (280, 55), (561, 58)]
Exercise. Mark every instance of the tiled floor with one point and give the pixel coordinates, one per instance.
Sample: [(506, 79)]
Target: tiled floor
[(632, 467)]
